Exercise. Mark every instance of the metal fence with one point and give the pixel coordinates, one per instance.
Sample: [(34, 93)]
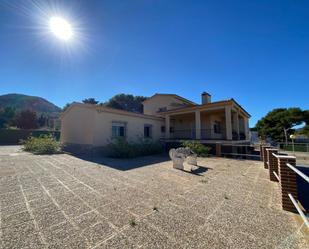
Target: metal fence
[(294, 147), (295, 203)]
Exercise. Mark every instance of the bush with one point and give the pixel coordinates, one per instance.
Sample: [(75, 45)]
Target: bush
[(120, 148), (44, 144), (13, 136), (197, 147)]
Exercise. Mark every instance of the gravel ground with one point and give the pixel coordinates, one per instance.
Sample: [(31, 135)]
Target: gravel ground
[(61, 201)]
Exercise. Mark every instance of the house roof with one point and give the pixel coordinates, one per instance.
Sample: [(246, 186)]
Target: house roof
[(109, 109), (171, 95), (212, 104)]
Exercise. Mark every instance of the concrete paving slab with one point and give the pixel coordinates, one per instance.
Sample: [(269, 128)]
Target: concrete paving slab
[(61, 201)]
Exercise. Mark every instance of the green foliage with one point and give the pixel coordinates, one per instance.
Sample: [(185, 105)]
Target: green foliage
[(26, 120), (304, 131), (126, 102), (91, 101), (296, 147), (197, 147), (278, 120), (132, 222), (67, 105), (25, 102), (13, 136), (120, 148), (45, 144), (7, 117)]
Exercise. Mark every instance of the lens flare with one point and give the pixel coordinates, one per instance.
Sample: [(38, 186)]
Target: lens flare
[(61, 28)]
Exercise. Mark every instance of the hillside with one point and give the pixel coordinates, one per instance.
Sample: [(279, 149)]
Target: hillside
[(25, 102)]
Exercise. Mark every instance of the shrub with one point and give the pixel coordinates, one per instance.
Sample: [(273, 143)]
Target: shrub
[(44, 144), (120, 148), (197, 147)]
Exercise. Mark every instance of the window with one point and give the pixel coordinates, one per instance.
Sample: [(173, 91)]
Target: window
[(118, 129), (217, 127), (162, 109), (147, 131), (162, 129)]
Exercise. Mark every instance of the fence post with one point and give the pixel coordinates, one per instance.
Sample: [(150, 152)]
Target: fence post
[(272, 164), (265, 159), (288, 182), (218, 149)]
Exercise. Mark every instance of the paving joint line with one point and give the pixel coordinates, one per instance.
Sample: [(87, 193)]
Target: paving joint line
[(33, 218)]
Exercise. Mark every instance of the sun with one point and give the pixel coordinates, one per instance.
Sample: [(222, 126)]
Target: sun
[(61, 28)]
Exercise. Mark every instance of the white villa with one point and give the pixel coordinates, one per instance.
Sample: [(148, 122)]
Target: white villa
[(166, 117)]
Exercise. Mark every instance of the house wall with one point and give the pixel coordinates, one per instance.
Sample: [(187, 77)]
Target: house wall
[(77, 126), (89, 126), (151, 106), (134, 127), (208, 121)]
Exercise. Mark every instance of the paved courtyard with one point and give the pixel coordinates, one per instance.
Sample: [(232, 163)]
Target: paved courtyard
[(61, 201)]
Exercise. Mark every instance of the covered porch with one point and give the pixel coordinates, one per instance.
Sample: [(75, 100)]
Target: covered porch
[(226, 123)]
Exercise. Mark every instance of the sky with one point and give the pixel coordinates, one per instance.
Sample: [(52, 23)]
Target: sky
[(256, 52)]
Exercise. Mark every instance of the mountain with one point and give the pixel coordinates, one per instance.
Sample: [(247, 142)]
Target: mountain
[(26, 102)]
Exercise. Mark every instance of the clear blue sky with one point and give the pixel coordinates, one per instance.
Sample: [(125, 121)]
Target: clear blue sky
[(254, 51)]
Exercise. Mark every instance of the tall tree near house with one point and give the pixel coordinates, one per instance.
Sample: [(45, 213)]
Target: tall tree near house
[(126, 102), (26, 120), (305, 129), (91, 101), (279, 123)]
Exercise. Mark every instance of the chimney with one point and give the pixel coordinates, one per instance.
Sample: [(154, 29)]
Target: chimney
[(206, 98)]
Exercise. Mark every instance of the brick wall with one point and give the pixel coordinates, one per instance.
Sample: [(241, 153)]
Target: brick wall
[(288, 182), (272, 163)]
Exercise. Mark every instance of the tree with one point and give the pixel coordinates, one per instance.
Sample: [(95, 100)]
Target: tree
[(7, 116), (26, 120), (279, 123), (67, 105), (126, 102), (42, 120), (91, 101)]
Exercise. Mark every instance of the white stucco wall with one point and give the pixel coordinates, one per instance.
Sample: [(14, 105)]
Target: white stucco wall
[(90, 126)]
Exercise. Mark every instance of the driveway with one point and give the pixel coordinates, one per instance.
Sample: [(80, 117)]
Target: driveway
[(61, 201)]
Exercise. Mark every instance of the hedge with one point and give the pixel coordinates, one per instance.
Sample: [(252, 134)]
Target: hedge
[(13, 137)]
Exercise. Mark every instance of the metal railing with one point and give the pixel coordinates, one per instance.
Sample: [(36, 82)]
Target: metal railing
[(211, 134), (183, 134), (301, 174), (244, 151), (206, 134), (295, 147), (299, 210)]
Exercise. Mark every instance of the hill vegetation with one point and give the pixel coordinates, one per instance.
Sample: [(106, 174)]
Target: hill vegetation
[(27, 112), (24, 102)]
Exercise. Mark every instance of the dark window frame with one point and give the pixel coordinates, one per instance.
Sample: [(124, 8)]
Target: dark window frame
[(119, 129), (147, 131)]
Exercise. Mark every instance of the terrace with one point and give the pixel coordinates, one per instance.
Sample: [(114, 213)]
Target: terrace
[(61, 201), (221, 123)]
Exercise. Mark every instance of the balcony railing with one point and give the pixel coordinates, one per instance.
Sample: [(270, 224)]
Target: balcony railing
[(183, 134), (206, 134)]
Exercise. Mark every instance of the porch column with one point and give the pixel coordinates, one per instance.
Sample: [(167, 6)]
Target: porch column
[(167, 126), (197, 124), (228, 123), (237, 124), (246, 126)]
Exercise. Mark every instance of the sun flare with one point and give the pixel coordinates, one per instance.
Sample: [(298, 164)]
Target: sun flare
[(61, 28)]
